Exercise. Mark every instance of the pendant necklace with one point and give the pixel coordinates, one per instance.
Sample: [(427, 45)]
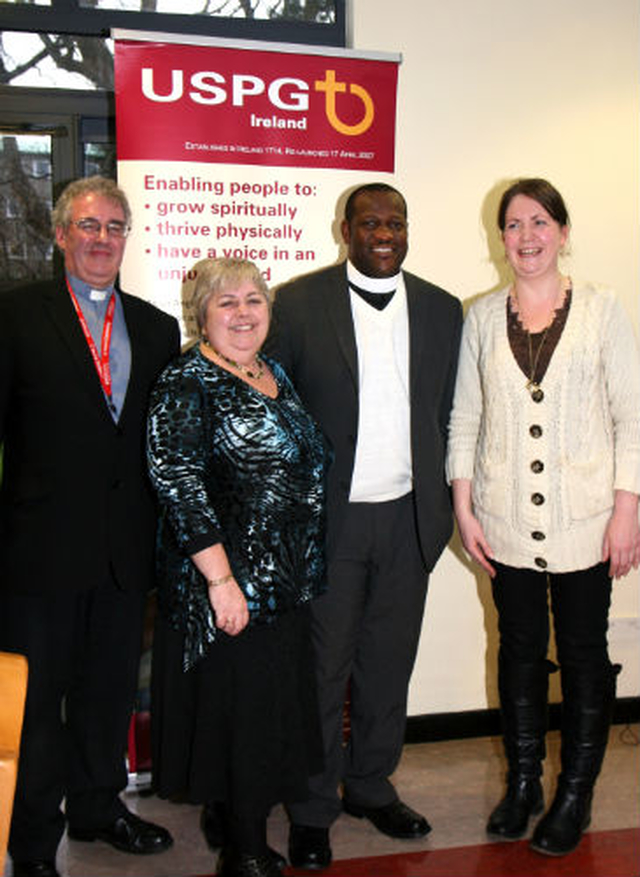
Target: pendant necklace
[(252, 372), (532, 385)]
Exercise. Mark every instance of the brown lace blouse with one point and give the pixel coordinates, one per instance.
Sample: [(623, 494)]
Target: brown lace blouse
[(519, 340)]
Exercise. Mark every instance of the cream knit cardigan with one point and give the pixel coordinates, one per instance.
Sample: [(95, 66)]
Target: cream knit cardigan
[(588, 425)]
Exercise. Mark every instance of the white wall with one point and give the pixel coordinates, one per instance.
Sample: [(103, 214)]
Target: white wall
[(490, 91)]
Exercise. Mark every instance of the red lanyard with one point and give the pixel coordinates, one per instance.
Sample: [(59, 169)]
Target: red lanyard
[(100, 360)]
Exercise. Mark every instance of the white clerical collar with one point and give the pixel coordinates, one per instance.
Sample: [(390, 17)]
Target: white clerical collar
[(86, 291), (371, 284)]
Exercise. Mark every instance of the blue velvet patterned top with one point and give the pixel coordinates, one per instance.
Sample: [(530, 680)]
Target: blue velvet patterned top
[(231, 465)]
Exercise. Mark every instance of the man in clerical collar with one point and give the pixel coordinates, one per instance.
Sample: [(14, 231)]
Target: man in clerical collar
[(91, 231), (78, 358), (372, 351)]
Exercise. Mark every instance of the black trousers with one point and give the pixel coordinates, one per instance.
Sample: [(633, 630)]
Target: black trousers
[(580, 602), (366, 629), (83, 652)]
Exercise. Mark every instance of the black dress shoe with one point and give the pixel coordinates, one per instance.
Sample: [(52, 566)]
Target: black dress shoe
[(244, 865), (35, 869), (278, 858), (128, 833), (309, 847), (212, 825), (394, 819)]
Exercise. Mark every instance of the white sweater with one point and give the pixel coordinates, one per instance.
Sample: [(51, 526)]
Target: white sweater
[(589, 425), (382, 465)]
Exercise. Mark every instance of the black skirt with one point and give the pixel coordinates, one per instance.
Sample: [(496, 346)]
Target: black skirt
[(242, 726)]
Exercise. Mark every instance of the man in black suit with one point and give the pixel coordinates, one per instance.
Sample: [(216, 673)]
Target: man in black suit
[(78, 358), (372, 350)]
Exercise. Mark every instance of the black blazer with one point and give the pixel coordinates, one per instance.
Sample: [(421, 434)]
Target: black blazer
[(75, 500), (312, 335)]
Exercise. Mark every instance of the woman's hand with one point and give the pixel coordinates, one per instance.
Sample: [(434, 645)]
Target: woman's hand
[(621, 544), (471, 532), (474, 541), (226, 598), (230, 607)]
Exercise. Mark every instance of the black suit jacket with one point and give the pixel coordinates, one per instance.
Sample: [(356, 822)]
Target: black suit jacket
[(75, 501), (312, 334)]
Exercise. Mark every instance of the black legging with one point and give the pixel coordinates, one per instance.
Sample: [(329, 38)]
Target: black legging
[(580, 602)]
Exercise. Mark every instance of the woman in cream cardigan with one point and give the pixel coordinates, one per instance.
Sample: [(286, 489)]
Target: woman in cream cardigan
[(544, 462)]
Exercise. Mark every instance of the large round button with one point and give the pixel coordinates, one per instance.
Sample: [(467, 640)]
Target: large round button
[(538, 535), (541, 562), (537, 498), (537, 395), (535, 430), (537, 466)]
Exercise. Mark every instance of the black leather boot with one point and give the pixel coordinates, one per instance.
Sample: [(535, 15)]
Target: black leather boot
[(523, 701), (588, 700), (524, 798)]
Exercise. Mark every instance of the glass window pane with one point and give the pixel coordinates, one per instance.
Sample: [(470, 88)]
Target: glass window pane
[(100, 158), (321, 11), (26, 247), (56, 60)]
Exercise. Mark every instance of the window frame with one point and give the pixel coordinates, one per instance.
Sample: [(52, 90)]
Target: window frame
[(67, 17), (71, 116)]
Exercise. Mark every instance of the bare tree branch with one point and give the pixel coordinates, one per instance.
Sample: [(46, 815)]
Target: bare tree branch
[(87, 56), (7, 75)]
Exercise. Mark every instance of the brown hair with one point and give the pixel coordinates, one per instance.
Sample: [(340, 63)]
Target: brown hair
[(539, 190)]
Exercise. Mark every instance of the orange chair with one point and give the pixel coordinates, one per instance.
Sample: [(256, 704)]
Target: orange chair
[(13, 690)]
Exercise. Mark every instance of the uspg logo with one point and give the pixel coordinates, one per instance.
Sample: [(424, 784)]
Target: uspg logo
[(331, 88), (291, 94)]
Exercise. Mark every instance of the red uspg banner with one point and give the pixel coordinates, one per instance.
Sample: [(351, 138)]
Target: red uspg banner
[(206, 103)]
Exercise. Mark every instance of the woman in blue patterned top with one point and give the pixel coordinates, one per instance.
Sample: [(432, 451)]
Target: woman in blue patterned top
[(239, 469)]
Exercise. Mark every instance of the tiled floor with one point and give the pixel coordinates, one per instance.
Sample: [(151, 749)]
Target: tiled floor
[(454, 783)]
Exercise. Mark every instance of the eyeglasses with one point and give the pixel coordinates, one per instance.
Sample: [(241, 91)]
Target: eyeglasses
[(93, 228)]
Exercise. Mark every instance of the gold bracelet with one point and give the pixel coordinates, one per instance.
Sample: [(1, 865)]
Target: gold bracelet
[(213, 583)]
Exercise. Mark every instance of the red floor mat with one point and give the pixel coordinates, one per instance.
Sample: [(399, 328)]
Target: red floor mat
[(600, 854)]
